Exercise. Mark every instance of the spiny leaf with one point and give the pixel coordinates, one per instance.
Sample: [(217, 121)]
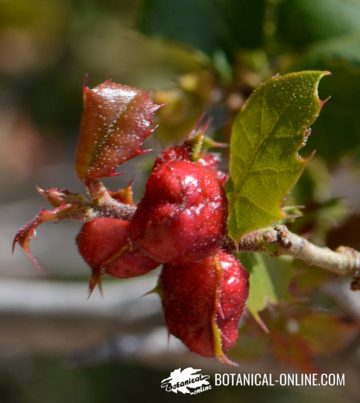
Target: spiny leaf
[(27, 232), (115, 122), (264, 159)]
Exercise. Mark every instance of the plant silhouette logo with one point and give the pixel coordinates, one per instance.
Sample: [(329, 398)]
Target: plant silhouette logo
[(187, 381)]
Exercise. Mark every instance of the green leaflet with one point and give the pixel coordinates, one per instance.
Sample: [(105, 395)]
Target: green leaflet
[(269, 281), (264, 159)]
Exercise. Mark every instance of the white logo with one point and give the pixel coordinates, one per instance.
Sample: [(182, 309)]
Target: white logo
[(187, 381)]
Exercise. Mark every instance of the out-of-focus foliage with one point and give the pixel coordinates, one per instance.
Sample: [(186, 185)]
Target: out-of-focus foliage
[(211, 26), (47, 47), (302, 22), (325, 34), (295, 35), (340, 125)]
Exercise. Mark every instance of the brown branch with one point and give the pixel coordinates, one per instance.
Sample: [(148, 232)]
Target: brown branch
[(279, 240)]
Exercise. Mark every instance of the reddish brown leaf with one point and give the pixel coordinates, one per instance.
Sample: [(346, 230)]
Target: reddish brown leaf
[(293, 351), (115, 122), (326, 334), (58, 197), (67, 205), (28, 231)]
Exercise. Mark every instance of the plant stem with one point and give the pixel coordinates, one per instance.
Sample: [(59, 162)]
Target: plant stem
[(106, 205), (279, 240)]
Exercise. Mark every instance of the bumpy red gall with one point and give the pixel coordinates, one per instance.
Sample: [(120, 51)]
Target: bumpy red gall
[(182, 216), (203, 303), (105, 246)]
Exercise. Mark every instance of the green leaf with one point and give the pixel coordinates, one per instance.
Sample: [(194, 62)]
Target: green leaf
[(269, 281), (264, 160), (301, 22), (208, 25)]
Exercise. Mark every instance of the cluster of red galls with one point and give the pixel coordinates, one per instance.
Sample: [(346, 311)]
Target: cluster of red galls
[(180, 223)]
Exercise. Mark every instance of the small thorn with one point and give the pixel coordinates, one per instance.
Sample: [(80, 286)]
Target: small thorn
[(325, 101), (95, 281), (14, 242), (154, 290), (293, 216), (210, 143), (297, 206), (220, 312), (114, 256), (85, 81), (39, 190), (262, 325), (114, 174), (151, 129), (223, 359), (200, 127), (309, 158), (260, 322), (100, 287), (147, 151), (237, 249), (156, 107), (33, 259)]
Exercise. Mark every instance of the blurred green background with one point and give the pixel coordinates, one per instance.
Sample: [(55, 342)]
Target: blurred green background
[(197, 56)]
